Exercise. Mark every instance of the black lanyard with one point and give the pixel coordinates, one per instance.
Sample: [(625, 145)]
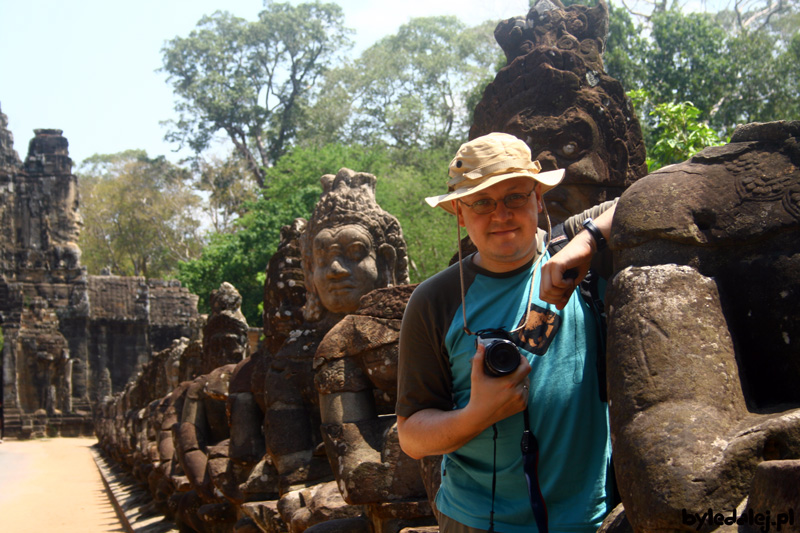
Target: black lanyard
[(530, 465), (530, 457)]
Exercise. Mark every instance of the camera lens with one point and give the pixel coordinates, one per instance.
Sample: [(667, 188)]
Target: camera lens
[(501, 357)]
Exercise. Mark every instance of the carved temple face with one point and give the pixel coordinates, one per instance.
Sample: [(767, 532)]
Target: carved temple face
[(572, 141), (345, 267)]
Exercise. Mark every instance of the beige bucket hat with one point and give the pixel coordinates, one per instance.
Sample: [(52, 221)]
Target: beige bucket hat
[(488, 160)]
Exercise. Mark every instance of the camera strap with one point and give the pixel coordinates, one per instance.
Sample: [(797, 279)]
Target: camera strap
[(494, 478), (530, 458), (530, 465)]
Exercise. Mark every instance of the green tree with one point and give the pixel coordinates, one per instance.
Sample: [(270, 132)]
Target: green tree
[(227, 193), (766, 75), (753, 16), (736, 66), (138, 215), (402, 187), (410, 89), (678, 131), (623, 58), (687, 60), (251, 80), (405, 177)]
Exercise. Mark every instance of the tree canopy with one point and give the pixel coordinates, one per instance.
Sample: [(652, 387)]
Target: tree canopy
[(227, 193), (736, 66), (410, 89), (251, 80), (139, 216)]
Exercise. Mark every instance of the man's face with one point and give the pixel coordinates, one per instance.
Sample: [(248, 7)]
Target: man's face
[(345, 267), (505, 238)]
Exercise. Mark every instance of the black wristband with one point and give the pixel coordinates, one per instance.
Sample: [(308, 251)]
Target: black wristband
[(596, 234)]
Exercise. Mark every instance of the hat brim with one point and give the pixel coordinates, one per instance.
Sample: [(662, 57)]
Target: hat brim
[(548, 180)]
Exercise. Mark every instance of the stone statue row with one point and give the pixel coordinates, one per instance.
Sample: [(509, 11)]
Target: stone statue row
[(300, 432)]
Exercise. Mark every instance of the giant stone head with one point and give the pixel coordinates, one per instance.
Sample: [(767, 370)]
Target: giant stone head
[(555, 95)]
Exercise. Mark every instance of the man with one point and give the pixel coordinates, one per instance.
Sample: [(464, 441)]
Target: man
[(448, 404)]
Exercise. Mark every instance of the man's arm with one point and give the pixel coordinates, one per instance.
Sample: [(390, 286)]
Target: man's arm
[(435, 432), (578, 254)]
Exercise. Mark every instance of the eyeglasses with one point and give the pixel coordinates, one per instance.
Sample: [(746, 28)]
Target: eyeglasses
[(484, 206)]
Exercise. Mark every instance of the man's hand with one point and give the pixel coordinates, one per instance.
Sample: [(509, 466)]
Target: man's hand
[(434, 432), (495, 398), (557, 286), (565, 270)]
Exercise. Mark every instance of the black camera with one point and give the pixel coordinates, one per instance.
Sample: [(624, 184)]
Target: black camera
[(502, 355)]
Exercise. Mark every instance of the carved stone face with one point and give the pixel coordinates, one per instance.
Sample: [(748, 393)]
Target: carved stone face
[(284, 288), (572, 141), (345, 267)]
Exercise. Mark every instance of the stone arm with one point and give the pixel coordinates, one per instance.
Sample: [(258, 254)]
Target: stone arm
[(356, 377), (679, 418), (189, 438), (203, 423)]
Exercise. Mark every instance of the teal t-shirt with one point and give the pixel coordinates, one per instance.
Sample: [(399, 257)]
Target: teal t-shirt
[(567, 415)]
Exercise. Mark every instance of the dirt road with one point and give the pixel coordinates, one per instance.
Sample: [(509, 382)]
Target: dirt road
[(53, 485)]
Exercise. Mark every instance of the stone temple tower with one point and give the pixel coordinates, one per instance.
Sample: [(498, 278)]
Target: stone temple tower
[(43, 289), (63, 330)]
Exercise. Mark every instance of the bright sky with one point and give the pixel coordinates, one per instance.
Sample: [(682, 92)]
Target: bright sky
[(88, 67)]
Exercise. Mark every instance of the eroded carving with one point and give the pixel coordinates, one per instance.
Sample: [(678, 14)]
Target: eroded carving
[(350, 246), (704, 322), (70, 339), (555, 95)]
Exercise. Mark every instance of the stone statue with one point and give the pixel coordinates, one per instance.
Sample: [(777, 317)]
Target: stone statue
[(356, 377), (704, 327), (150, 383), (356, 365), (225, 333), (284, 288), (139, 427), (350, 246), (168, 478), (249, 475), (71, 339), (44, 354), (204, 426), (555, 95), (578, 29)]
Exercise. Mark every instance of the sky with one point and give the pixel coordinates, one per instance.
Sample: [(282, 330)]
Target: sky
[(89, 67)]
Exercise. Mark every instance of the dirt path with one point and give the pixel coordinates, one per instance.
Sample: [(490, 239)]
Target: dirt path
[(53, 485)]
